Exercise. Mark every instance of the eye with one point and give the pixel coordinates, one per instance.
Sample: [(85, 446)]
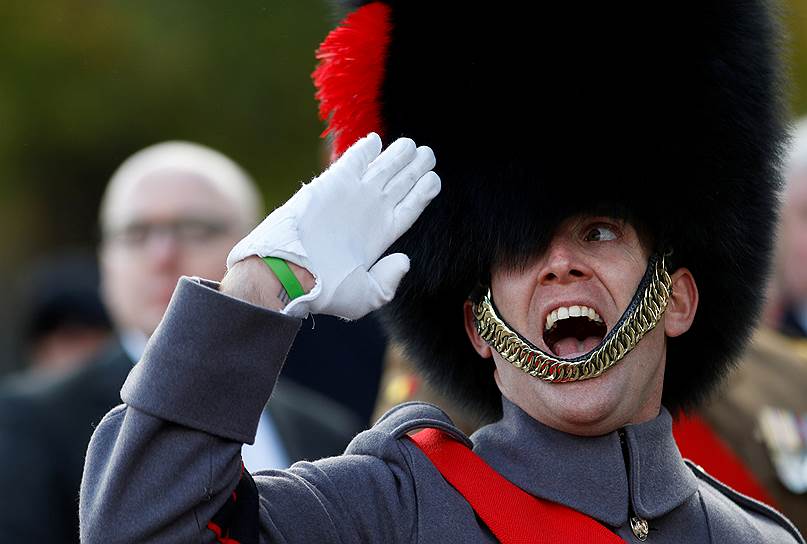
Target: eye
[(195, 230), (133, 234), (600, 233)]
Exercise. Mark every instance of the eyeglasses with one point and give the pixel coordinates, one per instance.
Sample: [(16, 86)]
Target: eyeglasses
[(186, 231)]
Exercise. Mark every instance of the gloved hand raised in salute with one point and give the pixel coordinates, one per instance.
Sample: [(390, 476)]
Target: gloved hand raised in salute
[(338, 226)]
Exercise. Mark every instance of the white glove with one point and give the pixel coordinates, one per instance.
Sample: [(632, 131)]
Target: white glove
[(338, 226)]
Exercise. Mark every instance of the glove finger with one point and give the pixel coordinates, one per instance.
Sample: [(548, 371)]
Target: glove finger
[(385, 276), (413, 204), (399, 154), (400, 185), (358, 156)]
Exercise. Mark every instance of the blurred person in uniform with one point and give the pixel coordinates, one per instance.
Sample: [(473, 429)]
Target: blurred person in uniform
[(572, 304), (172, 209), (761, 412)]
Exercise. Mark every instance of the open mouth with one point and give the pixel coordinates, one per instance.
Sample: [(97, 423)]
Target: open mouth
[(601, 348), (571, 331)]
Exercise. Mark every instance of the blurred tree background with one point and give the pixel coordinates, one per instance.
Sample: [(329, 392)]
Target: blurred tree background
[(85, 84), (795, 14)]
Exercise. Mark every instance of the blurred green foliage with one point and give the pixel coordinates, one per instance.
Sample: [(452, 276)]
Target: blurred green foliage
[(85, 84), (795, 15)]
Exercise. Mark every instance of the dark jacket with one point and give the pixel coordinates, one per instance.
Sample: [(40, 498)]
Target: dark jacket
[(171, 457), (45, 429)]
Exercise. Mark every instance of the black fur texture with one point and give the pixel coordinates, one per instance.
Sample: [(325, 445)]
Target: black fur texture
[(537, 111)]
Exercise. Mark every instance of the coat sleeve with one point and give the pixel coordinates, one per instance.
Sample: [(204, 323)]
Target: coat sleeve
[(162, 466)]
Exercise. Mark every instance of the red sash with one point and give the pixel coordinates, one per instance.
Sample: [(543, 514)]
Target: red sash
[(513, 515)]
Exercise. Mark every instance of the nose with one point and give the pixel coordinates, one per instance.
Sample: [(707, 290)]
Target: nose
[(162, 250), (562, 265)]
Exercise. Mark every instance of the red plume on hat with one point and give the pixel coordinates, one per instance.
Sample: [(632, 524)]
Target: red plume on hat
[(349, 76)]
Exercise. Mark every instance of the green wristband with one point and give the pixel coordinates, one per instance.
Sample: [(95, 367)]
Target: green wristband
[(287, 278)]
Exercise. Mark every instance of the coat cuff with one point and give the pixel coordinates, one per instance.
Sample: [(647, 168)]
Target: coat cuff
[(212, 363)]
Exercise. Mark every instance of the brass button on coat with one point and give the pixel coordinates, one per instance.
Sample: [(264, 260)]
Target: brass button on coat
[(639, 527)]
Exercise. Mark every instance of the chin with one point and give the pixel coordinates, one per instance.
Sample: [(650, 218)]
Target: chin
[(587, 407), (590, 407)]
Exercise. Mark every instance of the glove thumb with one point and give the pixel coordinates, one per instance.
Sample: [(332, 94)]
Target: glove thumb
[(387, 274)]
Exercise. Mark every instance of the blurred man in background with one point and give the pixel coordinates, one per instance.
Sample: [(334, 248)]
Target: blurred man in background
[(172, 209)]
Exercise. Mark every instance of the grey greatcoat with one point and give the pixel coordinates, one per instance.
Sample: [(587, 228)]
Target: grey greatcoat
[(160, 467)]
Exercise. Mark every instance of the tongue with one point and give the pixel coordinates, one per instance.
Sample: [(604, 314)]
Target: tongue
[(571, 347)]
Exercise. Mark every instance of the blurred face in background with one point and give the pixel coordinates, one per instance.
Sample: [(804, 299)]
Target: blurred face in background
[(793, 248), (164, 225)]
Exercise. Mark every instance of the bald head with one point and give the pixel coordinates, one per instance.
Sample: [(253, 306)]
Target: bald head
[(170, 159), (172, 209)]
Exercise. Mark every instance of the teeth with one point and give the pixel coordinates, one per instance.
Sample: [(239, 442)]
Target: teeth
[(573, 311)]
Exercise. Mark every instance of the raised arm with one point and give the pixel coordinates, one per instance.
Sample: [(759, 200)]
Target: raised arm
[(159, 468)]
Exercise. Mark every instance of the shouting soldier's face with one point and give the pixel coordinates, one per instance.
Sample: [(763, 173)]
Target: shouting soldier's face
[(565, 302)]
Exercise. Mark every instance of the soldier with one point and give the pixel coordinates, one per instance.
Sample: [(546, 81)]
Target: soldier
[(571, 302)]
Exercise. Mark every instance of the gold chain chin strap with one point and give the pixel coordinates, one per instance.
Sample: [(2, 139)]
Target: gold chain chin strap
[(539, 364)]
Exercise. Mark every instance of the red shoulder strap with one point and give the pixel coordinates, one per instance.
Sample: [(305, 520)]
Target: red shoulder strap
[(513, 515)]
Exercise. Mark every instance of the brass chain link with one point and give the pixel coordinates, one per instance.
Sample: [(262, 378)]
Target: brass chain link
[(537, 363)]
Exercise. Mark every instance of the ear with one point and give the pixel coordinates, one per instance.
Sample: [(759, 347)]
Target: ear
[(481, 347), (682, 305)]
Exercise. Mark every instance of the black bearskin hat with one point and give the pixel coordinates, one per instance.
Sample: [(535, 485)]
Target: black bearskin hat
[(668, 114)]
